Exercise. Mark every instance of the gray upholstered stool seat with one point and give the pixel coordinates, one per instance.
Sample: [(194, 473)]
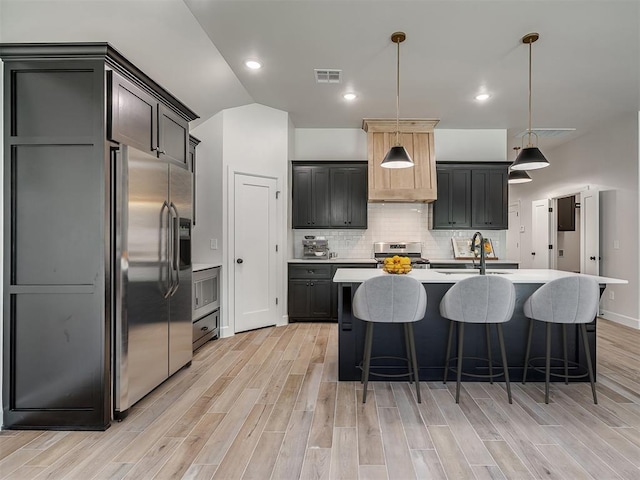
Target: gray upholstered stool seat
[(390, 299), (485, 299), (569, 300)]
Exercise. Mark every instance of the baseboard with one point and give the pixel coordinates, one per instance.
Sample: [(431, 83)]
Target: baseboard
[(226, 332), (621, 319), (283, 321)]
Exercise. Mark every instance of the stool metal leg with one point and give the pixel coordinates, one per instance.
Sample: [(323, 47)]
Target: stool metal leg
[(504, 360), (564, 350), (528, 351), (414, 360), (583, 329), (446, 358), (367, 359), (488, 334), (459, 368), (405, 327), (547, 371)]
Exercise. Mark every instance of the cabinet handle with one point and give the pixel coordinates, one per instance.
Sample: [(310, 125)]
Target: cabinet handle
[(312, 284), (592, 258), (533, 253), (157, 149), (204, 329), (310, 271)]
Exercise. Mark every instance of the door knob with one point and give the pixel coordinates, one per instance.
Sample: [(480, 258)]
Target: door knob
[(239, 260)]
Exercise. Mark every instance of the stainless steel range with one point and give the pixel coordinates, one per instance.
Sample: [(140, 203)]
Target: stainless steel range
[(413, 250)]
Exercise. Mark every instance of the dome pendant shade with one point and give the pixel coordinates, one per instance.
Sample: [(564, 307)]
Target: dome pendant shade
[(397, 157), (530, 158), (518, 176)]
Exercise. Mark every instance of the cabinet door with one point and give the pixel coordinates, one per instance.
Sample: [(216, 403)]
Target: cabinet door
[(489, 198), (453, 208), (299, 298), (132, 114), (310, 197), (320, 299), (358, 197), (173, 136)]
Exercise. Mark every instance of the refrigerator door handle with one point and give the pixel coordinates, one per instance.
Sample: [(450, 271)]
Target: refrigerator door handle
[(176, 249), (169, 251)]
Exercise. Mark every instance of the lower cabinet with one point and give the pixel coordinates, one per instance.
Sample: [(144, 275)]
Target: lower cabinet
[(205, 328), (312, 294)]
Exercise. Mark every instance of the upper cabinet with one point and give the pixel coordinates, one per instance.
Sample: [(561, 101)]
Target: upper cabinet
[(471, 195), (329, 195), (416, 184), (140, 120)]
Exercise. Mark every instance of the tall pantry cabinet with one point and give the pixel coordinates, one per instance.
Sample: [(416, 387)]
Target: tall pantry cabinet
[(66, 107)]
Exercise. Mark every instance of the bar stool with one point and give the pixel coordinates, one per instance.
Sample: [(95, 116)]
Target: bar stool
[(568, 300), (390, 299), (488, 299)]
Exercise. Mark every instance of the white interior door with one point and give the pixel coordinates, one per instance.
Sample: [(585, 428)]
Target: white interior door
[(513, 233), (254, 252), (540, 233), (590, 232)]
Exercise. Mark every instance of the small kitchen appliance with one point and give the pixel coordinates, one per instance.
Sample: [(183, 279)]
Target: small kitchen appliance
[(316, 249), (413, 250)]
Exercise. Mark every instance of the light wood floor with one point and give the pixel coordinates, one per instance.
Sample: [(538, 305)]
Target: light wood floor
[(267, 404)]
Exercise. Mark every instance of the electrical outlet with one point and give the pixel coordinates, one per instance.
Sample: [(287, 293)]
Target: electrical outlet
[(521, 228), (213, 243), (616, 244), (612, 295)]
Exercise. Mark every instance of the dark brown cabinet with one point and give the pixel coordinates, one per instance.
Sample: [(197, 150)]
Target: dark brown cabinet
[(310, 190), (139, 120), (471, 195), (329, 195), (312, 294), (452, 210), (348, 197), (489, 198)]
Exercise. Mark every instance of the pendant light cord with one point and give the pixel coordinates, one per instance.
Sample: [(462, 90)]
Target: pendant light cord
[(398, 96), (529, 135)]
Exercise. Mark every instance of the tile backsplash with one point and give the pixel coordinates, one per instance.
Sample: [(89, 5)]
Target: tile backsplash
[(402, 222)]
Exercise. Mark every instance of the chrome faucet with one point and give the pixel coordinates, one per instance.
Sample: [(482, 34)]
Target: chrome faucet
[(483, 263)]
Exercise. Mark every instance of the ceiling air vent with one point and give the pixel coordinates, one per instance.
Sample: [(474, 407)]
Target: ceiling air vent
[(328, 75), (547, 132)]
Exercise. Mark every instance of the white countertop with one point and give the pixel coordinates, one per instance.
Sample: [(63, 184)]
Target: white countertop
[(358, 275), (333, 260), (196, 267), (456, 261)]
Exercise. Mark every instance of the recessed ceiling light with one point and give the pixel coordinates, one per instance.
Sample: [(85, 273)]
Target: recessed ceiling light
[(253, 64), (482, 97), (350, 96)]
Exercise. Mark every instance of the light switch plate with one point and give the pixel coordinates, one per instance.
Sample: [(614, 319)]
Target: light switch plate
[(213, 244)]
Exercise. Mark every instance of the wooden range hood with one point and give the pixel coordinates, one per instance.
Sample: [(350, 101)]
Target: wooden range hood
[(416, 184)]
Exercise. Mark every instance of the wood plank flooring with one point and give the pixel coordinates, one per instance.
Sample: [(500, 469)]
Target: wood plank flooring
[(267, 404)]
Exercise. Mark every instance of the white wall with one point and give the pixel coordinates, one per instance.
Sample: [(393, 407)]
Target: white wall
[(451, 145), (254, 140), (208, 192), (608, 159), (472, 145)]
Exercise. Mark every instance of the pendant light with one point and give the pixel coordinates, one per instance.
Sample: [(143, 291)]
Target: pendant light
[(518, 176), (397, 156), (530, 157)]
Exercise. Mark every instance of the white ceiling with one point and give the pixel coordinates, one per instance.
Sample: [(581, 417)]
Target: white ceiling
[(586, 64)]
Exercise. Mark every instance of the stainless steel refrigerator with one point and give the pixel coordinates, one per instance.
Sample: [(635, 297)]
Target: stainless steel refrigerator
[(152, 287)]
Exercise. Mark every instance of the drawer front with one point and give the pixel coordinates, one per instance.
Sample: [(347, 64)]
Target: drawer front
[(206, 326), (309, 271)]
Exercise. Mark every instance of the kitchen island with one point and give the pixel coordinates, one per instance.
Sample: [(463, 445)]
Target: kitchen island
[(431, 332)]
